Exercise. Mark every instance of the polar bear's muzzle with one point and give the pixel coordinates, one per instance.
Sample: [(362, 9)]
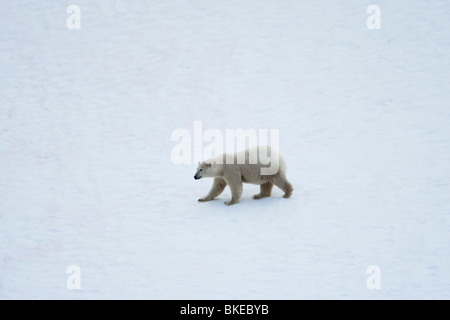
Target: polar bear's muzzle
[(199, 174)]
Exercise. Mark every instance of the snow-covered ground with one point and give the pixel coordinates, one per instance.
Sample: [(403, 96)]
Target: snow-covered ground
[(87, 179)]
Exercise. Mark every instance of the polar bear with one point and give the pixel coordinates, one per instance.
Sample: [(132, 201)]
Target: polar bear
[(260, 165)]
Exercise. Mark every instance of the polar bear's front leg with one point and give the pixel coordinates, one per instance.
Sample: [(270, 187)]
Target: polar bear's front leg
[(236, 192), (217, 188)]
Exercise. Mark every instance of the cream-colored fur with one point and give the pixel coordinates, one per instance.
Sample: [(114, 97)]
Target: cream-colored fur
[(249, 169)]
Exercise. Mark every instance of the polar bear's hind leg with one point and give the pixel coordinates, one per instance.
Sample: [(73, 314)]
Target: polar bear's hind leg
[(282, 183), (265, 190)]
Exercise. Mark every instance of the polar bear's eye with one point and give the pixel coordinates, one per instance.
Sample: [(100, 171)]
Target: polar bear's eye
[(201, 169)]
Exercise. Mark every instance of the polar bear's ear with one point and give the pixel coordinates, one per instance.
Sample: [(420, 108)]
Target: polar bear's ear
[(199, 163)]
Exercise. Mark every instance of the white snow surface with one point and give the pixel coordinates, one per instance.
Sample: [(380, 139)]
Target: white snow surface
[(87, 179)]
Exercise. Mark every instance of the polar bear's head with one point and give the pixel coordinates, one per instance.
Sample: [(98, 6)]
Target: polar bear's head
[(205, 169)]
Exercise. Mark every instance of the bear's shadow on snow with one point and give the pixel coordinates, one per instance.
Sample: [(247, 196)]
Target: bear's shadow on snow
[(247, 202)]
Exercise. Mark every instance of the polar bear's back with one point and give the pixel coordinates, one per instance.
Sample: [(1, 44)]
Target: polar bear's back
[(251, 163), (265, 157)]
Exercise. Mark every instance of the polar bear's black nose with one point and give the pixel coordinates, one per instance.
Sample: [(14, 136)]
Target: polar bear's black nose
[(196, 178)]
